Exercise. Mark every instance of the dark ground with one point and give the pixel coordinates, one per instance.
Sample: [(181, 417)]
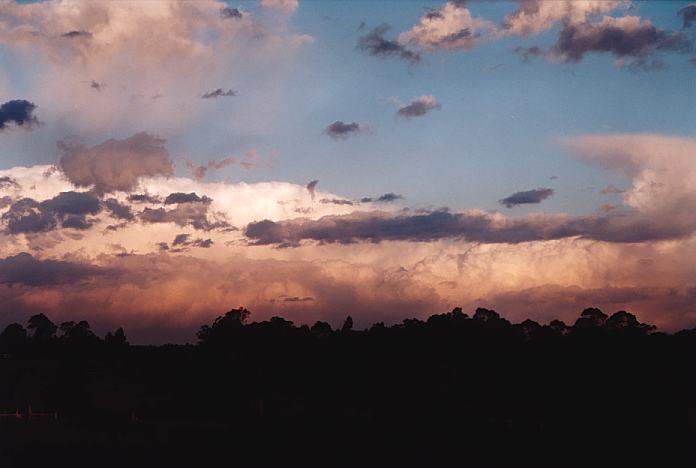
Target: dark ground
[(449, 391)]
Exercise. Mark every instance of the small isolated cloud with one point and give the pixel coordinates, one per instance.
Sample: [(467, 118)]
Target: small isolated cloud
[(611, 189), (340, 130), (77, 34), (389, 197), (528, 52), (230, 13), (115, 165), (20, 112), (688, 14), (374, 43), (216, 93), (95, 85), (418, 107), (199, 172), (311, 188), (527, 197)]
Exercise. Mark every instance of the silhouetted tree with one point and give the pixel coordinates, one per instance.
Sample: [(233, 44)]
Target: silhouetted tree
[(591, 318), (41, 327), (347, 324), (321, 329), (13, 338), (486, 315), (118, 338), (224, 327)]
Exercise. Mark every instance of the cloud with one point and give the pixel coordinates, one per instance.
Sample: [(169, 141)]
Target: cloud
[(418, 107), (389, 197), (340, 130), (375, 44), (536, 16), (527, 197), (25, 269), (119, 210), (8, 182), (284, 5), (219, 92), (627, 36), (193, 214), (528, 52), (179, 197), (688, 14), (19, 112), (199, 172), (311, 188), (610, 189), (449, 28), (67, 210), (336, 201), (230, 13), (77, 34), (474, 226), (143, 198), (115, 165)]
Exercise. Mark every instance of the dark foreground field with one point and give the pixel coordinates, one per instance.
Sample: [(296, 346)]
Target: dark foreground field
[(450, 391)]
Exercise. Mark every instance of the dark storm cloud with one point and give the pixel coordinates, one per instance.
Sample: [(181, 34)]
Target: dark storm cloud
[(23, 268), (230, 13), (418, 107), (219, 93), (340, 130), (688, 14), (67, 209), (8, 182), (473, 226), (427, 226), (527, 197), (115, 165), (613, 36), (179, 197), (119, 210), (375, 44), (20, 112)]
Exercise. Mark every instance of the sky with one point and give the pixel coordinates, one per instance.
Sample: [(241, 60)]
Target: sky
[(164, 161)]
